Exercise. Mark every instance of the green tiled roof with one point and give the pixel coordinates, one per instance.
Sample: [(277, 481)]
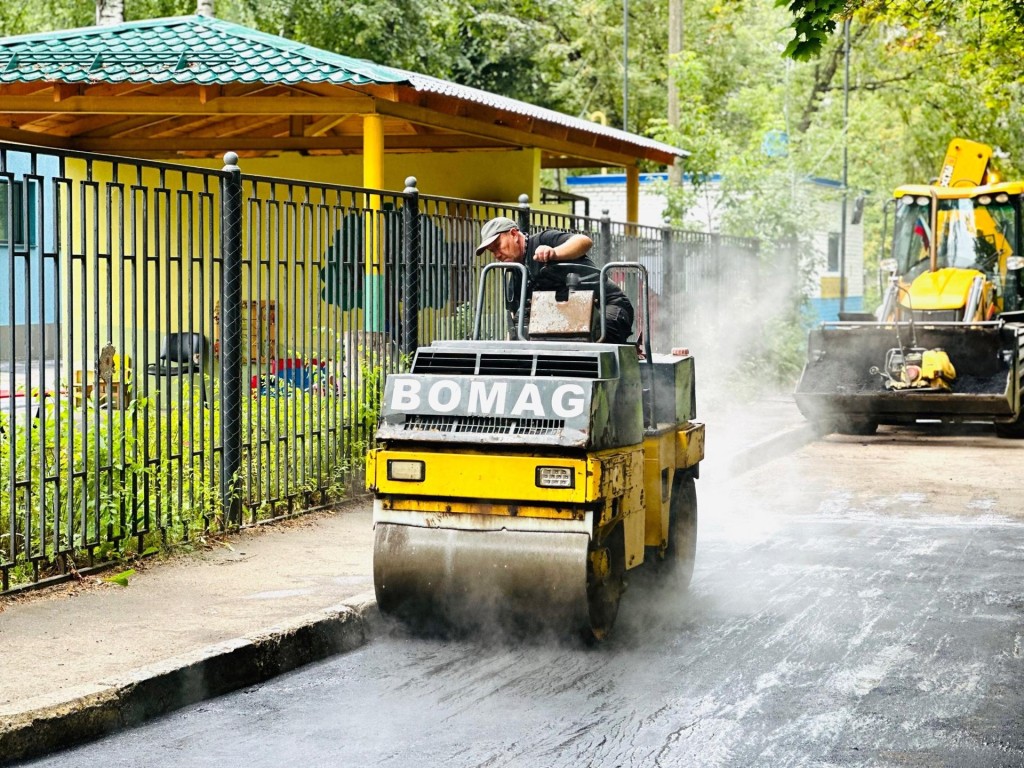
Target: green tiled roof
[(207, 51), (185, 49)]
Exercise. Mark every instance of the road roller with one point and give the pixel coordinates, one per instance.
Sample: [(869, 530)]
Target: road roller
[(520, 479)]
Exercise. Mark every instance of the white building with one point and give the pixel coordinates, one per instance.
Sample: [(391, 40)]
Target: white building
[(607, 192)]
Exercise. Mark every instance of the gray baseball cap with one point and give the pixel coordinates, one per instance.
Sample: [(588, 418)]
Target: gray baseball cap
[(490, 231)]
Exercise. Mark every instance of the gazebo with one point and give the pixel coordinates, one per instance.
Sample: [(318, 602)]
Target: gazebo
[(194, 87)]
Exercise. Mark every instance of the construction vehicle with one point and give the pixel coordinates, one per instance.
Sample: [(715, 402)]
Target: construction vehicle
[(519, 480), (947, 342)]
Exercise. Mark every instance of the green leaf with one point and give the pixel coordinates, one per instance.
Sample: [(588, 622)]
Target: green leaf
[(121, 579)]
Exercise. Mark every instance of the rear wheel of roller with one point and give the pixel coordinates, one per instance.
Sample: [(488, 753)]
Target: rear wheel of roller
[(681, 552), (605, 583)]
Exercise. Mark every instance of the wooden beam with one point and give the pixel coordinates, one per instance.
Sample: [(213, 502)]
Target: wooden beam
[(63, 91), (220, 143), (515, 138), (208, 93), (172, 105), (324, 124), (31, 137), (562, 161), (124, 126), (24, 89), (84, 124)]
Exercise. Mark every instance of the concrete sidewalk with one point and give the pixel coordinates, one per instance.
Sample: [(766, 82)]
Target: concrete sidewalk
[(85, 659)]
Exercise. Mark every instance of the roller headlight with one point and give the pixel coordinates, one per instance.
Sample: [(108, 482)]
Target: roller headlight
[(555, 477), (407, 470)]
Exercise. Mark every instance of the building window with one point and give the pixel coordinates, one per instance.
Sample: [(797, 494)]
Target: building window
[(833, 251)]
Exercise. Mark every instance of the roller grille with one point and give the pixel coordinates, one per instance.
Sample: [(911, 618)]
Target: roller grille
[(483, 425)]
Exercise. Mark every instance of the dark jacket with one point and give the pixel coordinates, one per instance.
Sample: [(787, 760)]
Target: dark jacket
[(554, 279)]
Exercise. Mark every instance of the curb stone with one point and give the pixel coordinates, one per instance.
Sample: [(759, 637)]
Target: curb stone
[(94, 711), (773, 447)]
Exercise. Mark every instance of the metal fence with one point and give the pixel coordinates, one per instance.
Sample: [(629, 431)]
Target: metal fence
[(186, 351)]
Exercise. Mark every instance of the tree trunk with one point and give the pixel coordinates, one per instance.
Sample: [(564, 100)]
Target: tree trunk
[(109, 12), (824, 74), (675, 47)]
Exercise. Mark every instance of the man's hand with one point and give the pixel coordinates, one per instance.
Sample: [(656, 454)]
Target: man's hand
[(545, 253)]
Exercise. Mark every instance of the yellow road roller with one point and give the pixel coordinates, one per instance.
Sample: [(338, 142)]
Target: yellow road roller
[(522, 478)]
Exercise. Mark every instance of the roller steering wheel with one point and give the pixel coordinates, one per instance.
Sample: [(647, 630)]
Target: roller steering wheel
[(587, 273)]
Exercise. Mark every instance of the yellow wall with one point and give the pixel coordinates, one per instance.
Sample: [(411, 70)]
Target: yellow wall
[(127, 306), (136, 279), (499, 176)]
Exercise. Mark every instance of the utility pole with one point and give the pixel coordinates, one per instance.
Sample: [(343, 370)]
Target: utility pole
[(625, 65), (846, 126), (109, 12), (675, 47)]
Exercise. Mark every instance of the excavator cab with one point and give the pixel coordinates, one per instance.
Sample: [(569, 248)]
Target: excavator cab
[(952, 251)]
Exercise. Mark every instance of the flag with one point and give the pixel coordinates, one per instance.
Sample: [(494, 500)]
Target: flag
[(921, 230)]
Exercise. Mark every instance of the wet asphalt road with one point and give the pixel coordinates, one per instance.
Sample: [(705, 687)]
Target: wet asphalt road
[(831, 622)]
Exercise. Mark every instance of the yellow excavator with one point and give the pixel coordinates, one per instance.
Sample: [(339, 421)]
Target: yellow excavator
[(518, 480), (947, 341)]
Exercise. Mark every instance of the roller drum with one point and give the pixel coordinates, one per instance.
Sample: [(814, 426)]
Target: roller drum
[(470, 578)]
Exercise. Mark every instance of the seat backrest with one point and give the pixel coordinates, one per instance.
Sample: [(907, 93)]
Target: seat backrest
[(183, 347)]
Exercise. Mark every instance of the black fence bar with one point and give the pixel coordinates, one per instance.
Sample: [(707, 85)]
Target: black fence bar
[(411, 272), (188, 350), (231, 327)]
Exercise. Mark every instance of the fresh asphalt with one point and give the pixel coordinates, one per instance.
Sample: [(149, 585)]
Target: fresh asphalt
[(87, 660), (857, 602)]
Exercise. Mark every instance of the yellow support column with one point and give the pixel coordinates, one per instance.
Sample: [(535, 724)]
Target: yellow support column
[(632, 194), (373, 177)]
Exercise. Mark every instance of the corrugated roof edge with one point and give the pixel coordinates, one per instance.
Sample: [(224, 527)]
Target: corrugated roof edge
[(446, 87)]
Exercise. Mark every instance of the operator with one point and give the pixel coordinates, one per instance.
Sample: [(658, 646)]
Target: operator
[(501, 236)]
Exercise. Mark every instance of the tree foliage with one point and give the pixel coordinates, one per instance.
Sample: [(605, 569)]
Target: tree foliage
[(813, 24), (921, 72)]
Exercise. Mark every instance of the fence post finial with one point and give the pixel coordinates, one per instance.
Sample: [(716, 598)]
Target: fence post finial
[(606, 237), (524, 213)]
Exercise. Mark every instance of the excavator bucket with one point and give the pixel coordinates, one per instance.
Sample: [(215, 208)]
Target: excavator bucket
[(844, 379)]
